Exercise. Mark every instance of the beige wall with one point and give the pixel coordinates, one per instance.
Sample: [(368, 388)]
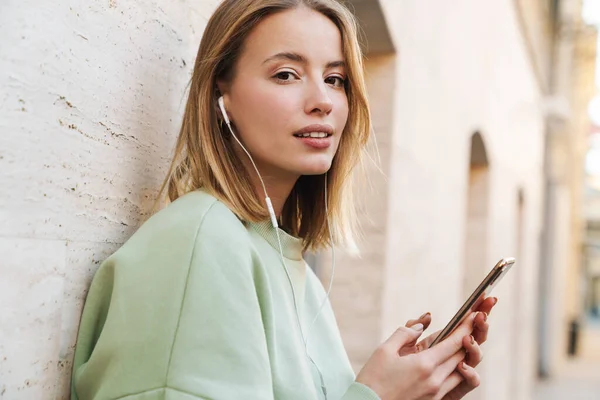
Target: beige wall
[(536, 26), (91, 96)]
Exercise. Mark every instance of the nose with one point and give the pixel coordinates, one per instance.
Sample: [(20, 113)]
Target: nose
[(318, 100)]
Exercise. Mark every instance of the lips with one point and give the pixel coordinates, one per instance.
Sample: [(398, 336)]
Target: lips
[(315, 131), (317, 137)]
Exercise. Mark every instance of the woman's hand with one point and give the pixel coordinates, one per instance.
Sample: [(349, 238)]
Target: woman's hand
[(465, 378), (396, 372), (404, 369)]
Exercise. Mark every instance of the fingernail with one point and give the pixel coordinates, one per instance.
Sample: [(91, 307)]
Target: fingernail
[(472, 340), (495, 301), (463, 365), (417, 327), (424, 315), (485, 316)]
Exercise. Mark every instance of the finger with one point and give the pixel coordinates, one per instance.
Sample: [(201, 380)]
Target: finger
[(444, 370), (451, 383), (425, 343), (487, 305), (481, 327), (411, 348), (471, 380), (403, 336), (453, 343), (444, 373), (469, 374), (474, 353), (424, 319)]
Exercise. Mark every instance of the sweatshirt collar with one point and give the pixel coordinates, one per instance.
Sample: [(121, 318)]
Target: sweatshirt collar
[(292, 246)]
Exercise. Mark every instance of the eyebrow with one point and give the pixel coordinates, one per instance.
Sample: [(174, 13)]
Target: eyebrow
[(301, 59)]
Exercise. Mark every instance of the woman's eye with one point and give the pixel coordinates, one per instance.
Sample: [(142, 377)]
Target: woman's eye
[(336, 81), (285, 76)]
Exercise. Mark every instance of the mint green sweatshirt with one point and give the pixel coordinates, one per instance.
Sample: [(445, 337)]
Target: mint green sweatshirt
[(196, 305)]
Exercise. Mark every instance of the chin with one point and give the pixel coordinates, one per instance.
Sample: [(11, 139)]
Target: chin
[(315, 167)]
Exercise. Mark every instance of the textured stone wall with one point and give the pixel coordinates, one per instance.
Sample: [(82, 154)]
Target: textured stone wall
[(91, 96)]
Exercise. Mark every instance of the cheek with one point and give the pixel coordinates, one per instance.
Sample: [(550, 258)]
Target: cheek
[(279, 111), (263, 107)]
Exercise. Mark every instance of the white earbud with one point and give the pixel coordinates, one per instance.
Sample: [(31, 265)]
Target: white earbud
[(221, 102)]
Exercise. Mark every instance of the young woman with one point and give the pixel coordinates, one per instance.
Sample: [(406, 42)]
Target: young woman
[(210, 298)]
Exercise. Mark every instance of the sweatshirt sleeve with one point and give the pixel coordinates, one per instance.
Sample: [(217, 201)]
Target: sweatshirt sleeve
[(358, 391), (188, 328), (220, 349)]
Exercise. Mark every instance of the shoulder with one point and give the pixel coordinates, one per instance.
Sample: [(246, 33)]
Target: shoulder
[(187, 212), (195, 216), (195, 232)]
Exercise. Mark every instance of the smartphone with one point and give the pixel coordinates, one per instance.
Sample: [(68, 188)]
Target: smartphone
[(482, 291)]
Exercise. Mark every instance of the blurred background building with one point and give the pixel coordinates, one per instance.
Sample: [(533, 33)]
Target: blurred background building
[(486, 124), (483, 143)]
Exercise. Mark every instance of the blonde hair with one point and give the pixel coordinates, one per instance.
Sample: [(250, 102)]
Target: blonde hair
[(204, 154)]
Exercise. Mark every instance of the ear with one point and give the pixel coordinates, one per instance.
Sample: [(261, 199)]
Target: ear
[(222, 91), (222, 88)]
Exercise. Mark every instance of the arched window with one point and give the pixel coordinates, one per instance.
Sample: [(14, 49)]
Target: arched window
[(477, 215)]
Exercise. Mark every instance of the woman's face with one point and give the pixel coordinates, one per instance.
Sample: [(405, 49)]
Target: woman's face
[(289, 84)]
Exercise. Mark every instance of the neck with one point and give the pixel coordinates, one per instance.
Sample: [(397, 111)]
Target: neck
[(278, 190), (278, 183)]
